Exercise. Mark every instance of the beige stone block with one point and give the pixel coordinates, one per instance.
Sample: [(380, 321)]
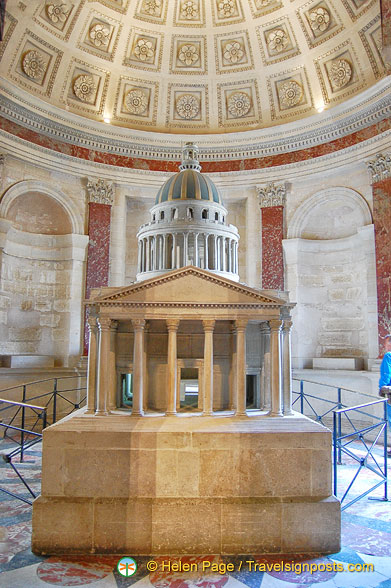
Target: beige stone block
[(60, 334), (321, 473), (47, 277), (96, 473), (252, 527), (61, 526), (24, 334), (219, 472), (188, 473), (275, 472), (337, 294), (311, 527), (122, 526), (142, 473), (166, 473), (186, 526), (5, 302), (52, 471), (49, 320), (61, 305), (342, 279), (342, 324), (353, 293)]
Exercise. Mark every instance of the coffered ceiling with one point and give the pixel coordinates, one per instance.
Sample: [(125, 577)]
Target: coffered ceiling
[(192, 66)]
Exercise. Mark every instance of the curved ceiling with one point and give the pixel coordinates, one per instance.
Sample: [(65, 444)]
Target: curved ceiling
[(193, 66)]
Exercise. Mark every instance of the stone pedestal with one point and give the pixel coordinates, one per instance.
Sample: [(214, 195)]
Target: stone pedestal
[(180, 485)]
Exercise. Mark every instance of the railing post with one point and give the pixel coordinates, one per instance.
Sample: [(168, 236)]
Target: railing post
[(23, 423), (335, 452), (55, 400), (339, 424), (301, 396), (385, 448)]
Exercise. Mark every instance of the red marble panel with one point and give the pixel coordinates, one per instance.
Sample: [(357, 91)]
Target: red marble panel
[(98, 254), (382, 222), (207, 166), (272, 259)]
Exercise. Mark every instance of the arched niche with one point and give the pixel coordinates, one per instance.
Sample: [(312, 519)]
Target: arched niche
[(42, 258), (333, 213), (38, 213), (35, 207)]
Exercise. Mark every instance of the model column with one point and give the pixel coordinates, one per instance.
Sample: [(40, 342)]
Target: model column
[(240, 325), (287, 367), (275, 329), (92, 349), (104, 325), (209, 326), (138, 367), (172, 327), (112, 399)]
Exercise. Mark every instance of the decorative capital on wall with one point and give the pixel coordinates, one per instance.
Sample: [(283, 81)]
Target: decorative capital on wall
[(271, 195), (100, 191), (380, 167)]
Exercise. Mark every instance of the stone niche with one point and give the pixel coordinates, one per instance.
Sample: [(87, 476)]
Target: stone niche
[(231, 475)]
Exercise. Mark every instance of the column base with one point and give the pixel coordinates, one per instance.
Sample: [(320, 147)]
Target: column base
[(274, 414), (137, 414), (101, 413)]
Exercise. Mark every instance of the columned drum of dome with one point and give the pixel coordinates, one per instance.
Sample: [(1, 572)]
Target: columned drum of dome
[(188, 226)]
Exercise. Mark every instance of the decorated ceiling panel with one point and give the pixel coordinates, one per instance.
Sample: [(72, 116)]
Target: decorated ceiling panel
[(193, 66)]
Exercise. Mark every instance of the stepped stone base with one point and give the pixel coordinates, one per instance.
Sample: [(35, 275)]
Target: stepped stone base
[(179, 485)]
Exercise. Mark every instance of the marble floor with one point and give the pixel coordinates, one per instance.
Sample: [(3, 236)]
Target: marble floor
[(364, 560)]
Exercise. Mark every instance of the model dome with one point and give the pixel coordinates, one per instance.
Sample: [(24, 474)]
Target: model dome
[(188, 226), (189, 183)]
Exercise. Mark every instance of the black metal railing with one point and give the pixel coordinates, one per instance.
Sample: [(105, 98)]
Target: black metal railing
[(346, 432), (28, 437), (50, 398), (343, 445)]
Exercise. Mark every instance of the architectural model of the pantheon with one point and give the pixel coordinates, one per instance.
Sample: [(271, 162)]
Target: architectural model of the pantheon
[(208, 457), (187, 443)]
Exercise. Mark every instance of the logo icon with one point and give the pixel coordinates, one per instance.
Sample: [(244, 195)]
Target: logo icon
[(126, 566)]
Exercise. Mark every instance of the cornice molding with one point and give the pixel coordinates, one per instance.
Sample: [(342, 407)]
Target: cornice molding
[(46, 158), (370, 107)]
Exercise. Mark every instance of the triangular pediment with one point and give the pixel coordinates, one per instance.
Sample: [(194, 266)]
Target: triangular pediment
[(187, 285)]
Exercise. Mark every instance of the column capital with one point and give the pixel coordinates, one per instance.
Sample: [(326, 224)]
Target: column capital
[(208, 324), (138, 324), (241, 324), (100, 191), (271, 195), (104, 323), (287, 325), (275, 324), (91, 322), (114, 325), (172, 324), (380, 168)]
